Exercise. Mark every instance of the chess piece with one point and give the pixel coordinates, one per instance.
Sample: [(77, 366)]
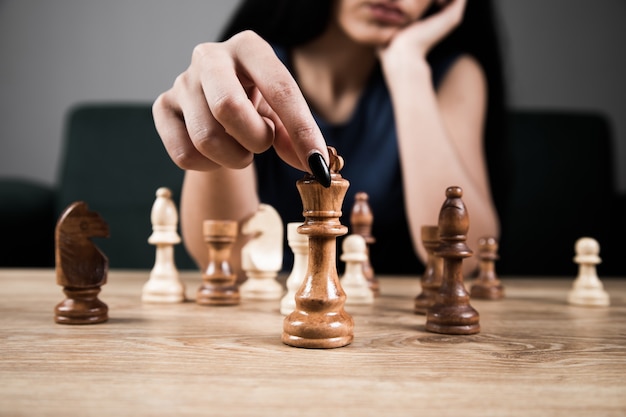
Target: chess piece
[(81, 268), (361, 220), (432, 276), (587, 289), (487, 285), (164, 284), (299, 244), (353, 282), (319, 319), (219, 280), (452, 312), (262, 255)]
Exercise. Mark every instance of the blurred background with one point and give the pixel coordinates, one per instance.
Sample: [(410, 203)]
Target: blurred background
[(565, 54)]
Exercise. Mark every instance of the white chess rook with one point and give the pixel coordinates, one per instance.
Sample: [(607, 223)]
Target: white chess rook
[(262, 256), (587, 290), (164, 285), (354, 282), (299, 244)]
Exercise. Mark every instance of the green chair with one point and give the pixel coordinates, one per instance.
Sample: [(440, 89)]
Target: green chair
[(114, 161), (552, 178), (27, 223)]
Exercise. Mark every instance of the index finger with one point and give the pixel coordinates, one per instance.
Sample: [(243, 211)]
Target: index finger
[(260, 63)]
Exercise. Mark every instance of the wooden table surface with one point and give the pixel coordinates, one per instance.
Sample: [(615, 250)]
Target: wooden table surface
[(535, 355)]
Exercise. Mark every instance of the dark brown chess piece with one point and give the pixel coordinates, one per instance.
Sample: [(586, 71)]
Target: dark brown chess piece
[(219, 285), (452, 312), (487, 285), (361, 220), (81, 268), (319, 319), (432, 276)]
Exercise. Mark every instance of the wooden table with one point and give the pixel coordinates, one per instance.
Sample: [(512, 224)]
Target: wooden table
[(535, 355)]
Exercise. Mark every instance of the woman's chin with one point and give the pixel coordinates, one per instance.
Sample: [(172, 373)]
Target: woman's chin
[(376, 37)]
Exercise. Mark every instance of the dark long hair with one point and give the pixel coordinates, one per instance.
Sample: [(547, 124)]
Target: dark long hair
[(290, 23)]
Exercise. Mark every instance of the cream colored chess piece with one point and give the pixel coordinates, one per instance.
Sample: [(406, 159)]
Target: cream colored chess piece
[(587, 289), (299, 244), (164, 285), (354, 282), (262, 256)]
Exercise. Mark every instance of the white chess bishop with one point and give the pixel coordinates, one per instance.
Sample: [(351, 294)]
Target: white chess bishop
[(164, 285), (299, 244), (262, 255), (353, 281), (587, 290)]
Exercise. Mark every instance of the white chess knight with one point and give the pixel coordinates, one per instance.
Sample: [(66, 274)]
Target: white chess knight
[(262, 256), (587, 290), (164, 285), (299, 244), (353, 280)]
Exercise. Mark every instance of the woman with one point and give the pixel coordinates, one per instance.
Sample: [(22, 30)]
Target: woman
[(406, 90)]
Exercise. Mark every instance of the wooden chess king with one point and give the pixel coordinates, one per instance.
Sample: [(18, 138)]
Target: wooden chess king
[(319, 319)]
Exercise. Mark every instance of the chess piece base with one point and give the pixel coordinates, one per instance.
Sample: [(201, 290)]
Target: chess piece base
[(163, 291), (262, 295), (589, 299), (447, 329), (452, 319), (423, 302), (318, 331), (82, 306), (356, 294), (487, 292), (360, 300), (218, 296), (261, 288), (330, 343), (163, 298)]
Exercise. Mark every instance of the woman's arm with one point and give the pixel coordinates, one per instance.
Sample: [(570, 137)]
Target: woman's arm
[(221, 194), (440, 136)]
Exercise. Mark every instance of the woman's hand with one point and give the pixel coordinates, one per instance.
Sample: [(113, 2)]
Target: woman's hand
[(236, 99), (421, 36)]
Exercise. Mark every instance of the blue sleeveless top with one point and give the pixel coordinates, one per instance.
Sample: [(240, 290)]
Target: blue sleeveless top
[(368, 144)]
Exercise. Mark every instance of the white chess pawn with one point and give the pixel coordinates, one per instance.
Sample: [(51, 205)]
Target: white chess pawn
[(353, 281), (164, 285), (299, 244), (262, 256), (587, 289)]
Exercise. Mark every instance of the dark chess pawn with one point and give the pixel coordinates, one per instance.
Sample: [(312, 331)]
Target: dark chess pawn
[(487, 285), (81, 268), (219, 281), (452, 312), (361, 220), (433, 273)]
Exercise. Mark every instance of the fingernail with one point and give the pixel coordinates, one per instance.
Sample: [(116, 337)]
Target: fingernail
[(320, 170)]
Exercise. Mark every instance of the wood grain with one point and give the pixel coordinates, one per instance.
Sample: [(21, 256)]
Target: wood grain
[(535, 355)]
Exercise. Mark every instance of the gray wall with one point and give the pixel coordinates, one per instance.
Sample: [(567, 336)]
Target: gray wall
[(53, 54)]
